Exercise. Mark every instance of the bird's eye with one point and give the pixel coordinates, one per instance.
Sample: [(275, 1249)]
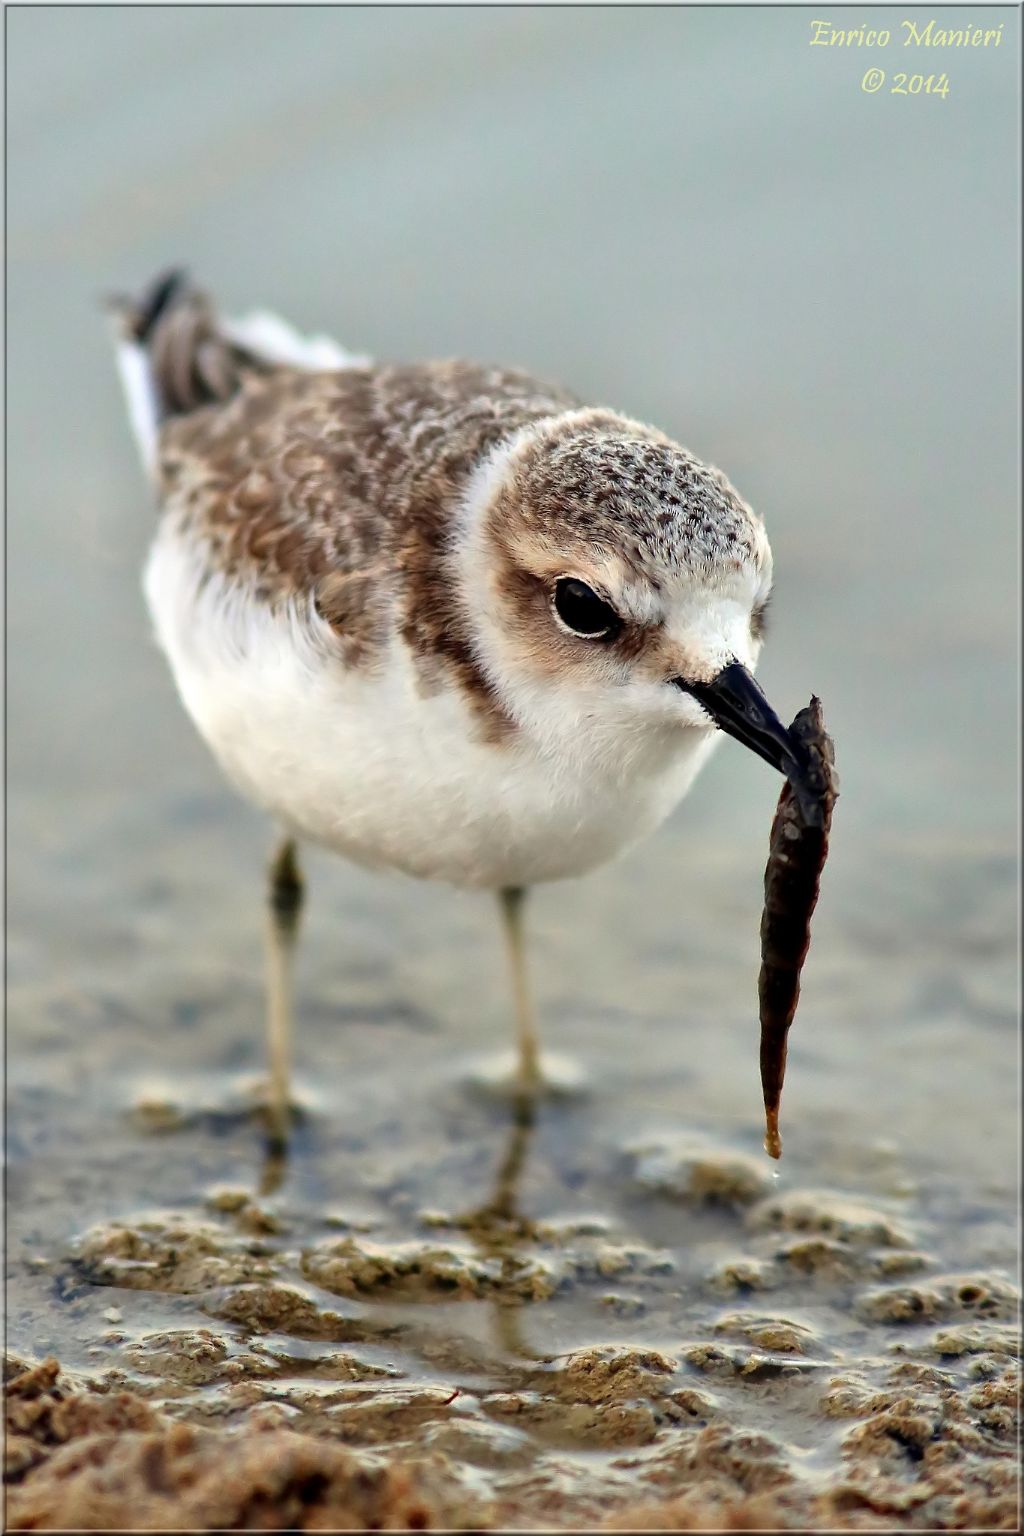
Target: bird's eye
[(581, 610)]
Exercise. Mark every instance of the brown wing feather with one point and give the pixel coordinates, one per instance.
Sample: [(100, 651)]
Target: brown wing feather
[(344, 484)]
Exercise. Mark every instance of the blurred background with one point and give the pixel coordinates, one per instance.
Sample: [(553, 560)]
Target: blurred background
[(689, 214)]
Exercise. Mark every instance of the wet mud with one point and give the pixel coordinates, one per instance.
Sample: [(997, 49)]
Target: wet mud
[(684, 1344)]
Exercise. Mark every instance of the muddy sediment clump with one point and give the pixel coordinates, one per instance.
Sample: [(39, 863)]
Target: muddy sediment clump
[(329, 1384), (108, 1460)]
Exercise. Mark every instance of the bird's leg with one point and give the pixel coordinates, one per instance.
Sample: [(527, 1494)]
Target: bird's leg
[(283, 908), (512, 899)]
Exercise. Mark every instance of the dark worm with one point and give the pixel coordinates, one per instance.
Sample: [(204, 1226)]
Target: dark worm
[(797, 852)]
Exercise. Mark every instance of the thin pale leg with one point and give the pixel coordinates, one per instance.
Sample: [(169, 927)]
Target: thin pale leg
[(284, 906), (512, 900)]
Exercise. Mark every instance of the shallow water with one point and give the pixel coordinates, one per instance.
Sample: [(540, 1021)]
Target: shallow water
[(650, 1277)]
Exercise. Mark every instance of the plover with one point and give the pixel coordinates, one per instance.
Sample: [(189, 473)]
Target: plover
[(438, 617)]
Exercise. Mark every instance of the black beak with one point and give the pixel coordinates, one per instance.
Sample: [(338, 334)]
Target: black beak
[(735, 702)]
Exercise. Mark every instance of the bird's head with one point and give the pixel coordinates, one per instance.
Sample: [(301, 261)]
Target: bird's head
[(615, 585)]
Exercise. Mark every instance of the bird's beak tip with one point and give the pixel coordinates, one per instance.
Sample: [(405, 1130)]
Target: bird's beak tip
[(736, 703)]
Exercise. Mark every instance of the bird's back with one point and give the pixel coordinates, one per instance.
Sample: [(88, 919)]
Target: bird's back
[(298, 478)]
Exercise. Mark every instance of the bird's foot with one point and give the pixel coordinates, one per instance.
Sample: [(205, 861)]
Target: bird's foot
[(502, 1077), (278, 1117)]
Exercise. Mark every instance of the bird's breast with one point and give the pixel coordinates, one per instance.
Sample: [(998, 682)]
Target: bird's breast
[(378, 766)]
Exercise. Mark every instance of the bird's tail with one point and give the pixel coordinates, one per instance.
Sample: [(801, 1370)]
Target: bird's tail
[(176, 355), (173, 356)]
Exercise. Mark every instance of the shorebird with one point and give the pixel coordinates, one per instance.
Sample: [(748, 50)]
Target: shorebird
[(437, 617)]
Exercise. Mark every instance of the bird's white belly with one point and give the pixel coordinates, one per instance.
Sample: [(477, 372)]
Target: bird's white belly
[(369, 764)]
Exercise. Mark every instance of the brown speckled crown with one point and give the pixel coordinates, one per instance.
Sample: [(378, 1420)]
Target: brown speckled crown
[(620, 484)]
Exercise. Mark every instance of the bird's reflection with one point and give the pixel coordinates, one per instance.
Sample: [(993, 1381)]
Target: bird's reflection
[(498, 1229), (499, 1218), (274, 1165)]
